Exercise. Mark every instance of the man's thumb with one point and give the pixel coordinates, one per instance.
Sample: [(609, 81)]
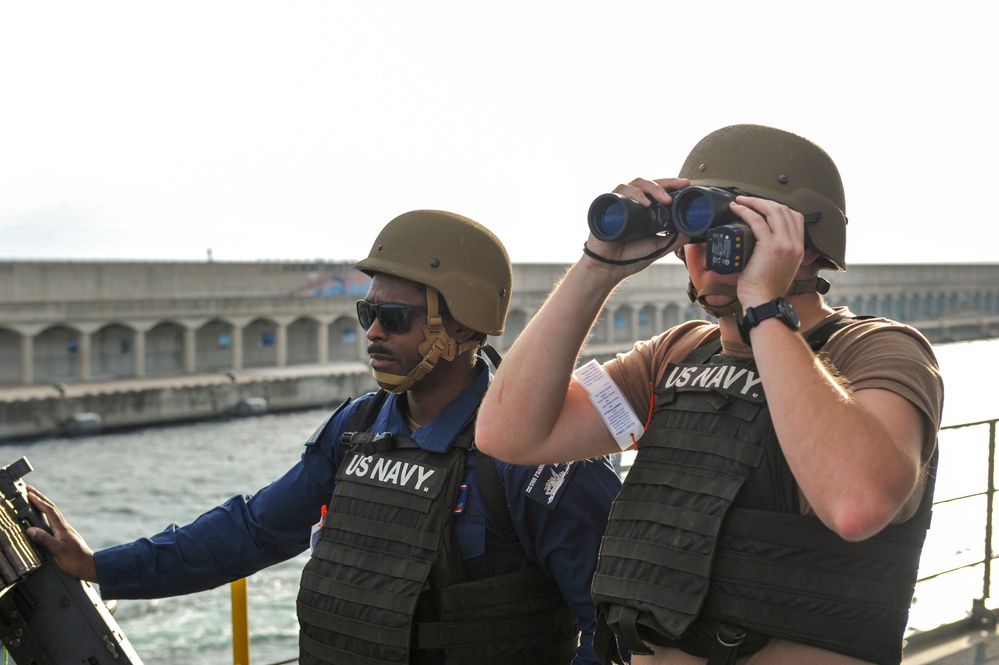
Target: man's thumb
[(40, 536)]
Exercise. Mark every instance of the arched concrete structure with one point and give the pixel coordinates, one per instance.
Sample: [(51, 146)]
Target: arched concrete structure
[(303, 341), (346, 338), (164, 349), (75, 322)]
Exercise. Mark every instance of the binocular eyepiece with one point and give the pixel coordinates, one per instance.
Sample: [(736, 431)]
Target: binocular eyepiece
[(700, 213)]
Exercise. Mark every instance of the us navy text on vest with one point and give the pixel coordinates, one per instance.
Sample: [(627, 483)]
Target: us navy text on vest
[(387, 471), (733, 380)]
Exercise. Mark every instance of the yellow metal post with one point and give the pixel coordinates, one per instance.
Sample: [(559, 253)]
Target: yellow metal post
[(240, 624)]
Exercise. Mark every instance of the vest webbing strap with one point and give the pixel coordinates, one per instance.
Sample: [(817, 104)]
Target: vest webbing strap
[(438, 635), (398, 637), (394, 532), (326, 654), (809, 532), (514, 588), (476, 617), (493, 495)]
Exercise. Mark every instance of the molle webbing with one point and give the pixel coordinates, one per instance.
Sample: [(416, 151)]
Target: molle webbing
[(659, 545), (489, 622), (811, 586)]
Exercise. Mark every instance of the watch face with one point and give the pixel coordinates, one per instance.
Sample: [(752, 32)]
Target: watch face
[(788, 313)]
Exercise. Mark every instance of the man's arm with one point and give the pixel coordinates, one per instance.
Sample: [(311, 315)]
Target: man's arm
[(534, 411), (228, 542), (855, 454)]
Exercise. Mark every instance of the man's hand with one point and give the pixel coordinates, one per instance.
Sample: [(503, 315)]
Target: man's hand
[(70, 551), (631, 252), (780, 249)]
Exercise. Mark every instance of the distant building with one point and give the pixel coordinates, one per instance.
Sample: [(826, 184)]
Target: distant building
[(69, 322)]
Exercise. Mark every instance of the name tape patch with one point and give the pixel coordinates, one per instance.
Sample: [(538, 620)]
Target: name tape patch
[(382, 470), (733, 380)]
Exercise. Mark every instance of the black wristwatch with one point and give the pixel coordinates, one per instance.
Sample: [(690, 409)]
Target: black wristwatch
[(779, 308)]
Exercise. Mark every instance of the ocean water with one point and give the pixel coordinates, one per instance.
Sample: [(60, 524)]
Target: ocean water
[(117, 487)]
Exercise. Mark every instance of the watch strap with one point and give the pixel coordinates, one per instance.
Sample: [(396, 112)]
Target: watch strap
[(775, 308)]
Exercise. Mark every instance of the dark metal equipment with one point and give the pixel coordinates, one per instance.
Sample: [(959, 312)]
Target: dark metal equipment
[(48, 617)]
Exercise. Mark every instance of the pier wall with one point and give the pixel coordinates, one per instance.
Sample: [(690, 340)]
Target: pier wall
[(133, 343), (93, 408), (78, 322)]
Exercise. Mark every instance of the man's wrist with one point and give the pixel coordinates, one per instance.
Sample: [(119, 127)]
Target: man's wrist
[(775, 308), (599, 275)]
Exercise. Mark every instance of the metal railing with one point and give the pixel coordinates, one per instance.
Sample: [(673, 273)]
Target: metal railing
[(979, 616)]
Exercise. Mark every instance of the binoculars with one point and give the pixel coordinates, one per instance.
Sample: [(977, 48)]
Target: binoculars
[(700, 213)]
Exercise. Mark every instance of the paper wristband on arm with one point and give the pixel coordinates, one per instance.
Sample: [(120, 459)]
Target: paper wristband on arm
[(617, 413)]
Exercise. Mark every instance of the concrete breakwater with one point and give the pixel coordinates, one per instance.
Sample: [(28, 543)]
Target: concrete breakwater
[(53, 409), (47, 410)]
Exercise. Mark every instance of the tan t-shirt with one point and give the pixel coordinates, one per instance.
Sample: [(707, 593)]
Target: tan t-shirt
[(872, 353)]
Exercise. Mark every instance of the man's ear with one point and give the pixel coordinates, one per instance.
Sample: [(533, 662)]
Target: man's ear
[(811, 256), (462, 333)]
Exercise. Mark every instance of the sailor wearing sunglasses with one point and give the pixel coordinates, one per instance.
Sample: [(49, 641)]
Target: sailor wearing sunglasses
[(427, 550)]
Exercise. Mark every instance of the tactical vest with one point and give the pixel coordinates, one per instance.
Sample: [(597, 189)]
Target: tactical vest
[(386, 582), (706, 549)]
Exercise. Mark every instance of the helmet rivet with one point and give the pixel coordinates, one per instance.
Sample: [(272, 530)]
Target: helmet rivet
[(783, 179), (702, 167), (380, 247), (502, 293), (435, 263)]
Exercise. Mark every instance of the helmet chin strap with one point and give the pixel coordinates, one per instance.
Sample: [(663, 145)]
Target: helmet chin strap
[(814, 285), (700, 297), (437, 344)]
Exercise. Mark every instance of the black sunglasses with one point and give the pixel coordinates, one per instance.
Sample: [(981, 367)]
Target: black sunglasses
[(392, 316)]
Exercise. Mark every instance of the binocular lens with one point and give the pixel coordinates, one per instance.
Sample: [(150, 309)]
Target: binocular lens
[(698, 213), (616, 218), (611, 223)]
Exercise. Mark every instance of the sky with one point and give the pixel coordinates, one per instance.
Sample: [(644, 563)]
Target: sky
[(295, 130)]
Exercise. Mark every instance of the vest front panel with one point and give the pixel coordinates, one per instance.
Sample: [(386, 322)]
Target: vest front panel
[(380, 545)]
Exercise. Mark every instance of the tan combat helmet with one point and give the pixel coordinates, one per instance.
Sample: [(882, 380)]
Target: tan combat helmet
[(452, 256), (774, 164)]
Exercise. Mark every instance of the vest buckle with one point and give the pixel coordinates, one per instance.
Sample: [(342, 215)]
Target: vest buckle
[(726, 646)]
